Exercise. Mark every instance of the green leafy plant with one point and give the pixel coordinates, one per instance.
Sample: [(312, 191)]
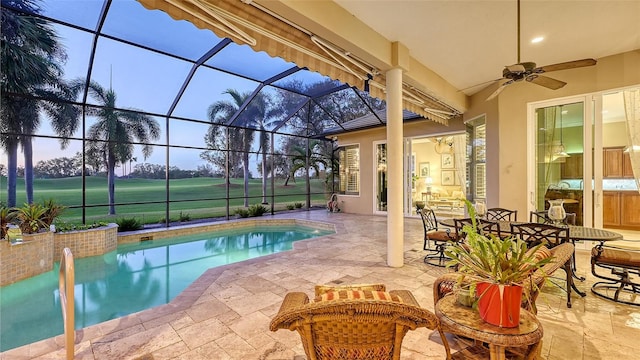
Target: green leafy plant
[(62, 226), (243, 213), (290, 206), (7, 216), (184, 216), (506, 261), (298, 205), (128, 224), (52, 212), (30, 218), (257, 210)]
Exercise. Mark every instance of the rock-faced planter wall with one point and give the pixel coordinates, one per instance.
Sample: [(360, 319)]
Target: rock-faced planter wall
[(33, 256), (84, 243)]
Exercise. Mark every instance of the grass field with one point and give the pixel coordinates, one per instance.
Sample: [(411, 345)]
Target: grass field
[(196, 197)]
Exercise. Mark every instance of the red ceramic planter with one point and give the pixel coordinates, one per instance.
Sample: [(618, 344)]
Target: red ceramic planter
[(499, 305)]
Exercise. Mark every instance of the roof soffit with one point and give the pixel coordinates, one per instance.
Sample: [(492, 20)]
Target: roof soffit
[(333, 23)]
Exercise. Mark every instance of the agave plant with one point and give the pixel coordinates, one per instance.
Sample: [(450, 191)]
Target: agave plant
[(53, 211), (31, 217), (7, 216)]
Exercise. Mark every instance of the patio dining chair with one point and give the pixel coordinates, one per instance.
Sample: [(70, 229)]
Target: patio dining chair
[(542, 217), (501, 214), (551, 236), (435, 240), (485, 227), (354, 323)]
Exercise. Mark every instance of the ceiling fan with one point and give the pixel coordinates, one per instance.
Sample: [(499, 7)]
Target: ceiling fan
[(529, 72), (444, 145)]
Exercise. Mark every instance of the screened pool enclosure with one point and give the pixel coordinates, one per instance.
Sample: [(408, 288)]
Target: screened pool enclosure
[(136, 114)]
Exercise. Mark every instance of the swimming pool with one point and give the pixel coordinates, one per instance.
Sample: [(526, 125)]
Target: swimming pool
[(135, 277)]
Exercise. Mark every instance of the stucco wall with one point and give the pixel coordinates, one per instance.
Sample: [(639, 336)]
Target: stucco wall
[(507, 176), (364, 203)]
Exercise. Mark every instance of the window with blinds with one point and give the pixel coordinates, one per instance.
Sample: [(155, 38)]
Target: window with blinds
[(349, 157), (479, 158)]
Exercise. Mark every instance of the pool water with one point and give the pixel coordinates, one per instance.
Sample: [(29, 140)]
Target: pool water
[(135, 277)]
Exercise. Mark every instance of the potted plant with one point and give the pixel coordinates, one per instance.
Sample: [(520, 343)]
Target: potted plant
[(497, 268)]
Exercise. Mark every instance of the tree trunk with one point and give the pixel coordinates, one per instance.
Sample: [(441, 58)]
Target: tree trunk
[(245, 163), (12, 173), (27, 147), (264, 175), (111, 182)]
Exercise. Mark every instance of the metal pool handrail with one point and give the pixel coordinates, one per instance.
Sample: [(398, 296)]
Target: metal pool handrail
[(66, 284)]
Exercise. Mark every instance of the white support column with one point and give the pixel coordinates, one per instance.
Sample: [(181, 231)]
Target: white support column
[(395, 191)]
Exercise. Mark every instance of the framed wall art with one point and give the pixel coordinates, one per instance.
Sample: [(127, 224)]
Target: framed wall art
[(448, 177), (425, 170), (447, 161)]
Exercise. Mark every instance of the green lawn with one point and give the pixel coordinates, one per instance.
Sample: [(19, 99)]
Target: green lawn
[(197, 197)]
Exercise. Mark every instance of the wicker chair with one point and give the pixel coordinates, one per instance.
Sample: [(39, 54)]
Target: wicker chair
[(354, 329), (561, 254)]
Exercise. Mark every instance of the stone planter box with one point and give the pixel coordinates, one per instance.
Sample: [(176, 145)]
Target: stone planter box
[(85, 243), (37, 253), (31, 257)]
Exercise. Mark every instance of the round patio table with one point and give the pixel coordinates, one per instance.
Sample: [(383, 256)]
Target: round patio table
[(465, 321)]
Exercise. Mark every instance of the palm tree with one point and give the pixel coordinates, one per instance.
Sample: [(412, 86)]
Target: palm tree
[(317, 159), (256, 115), (115, 132), (31, 57)]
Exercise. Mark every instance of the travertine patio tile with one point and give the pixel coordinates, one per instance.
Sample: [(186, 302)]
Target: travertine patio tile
[(203, 332), (171, 351), (207, 310), (177, 321), (236, 346), (207, 351), (137, 344), (225, 314), (250, 325)]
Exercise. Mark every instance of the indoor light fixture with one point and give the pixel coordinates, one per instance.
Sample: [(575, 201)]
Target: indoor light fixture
[(537, 39), (560, 152)]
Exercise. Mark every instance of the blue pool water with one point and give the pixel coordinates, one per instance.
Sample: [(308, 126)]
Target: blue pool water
[(132, 278)]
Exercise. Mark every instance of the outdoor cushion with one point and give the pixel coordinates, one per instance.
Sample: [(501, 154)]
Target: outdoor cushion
[(357, 294), (321, 289)]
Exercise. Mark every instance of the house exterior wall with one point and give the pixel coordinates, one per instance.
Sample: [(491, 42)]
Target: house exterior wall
[(507, 117), (364, 202)]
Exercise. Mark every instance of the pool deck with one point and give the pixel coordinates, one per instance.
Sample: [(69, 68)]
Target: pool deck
[(225, 314)]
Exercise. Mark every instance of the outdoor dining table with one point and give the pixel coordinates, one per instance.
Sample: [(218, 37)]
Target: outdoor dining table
[(576, 233)]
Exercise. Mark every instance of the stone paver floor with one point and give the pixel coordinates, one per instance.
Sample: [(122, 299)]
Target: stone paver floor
[(225, 314)]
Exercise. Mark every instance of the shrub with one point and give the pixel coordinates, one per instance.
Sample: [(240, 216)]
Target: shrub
[(298, 205), (257, 210), (184, 216), (30, 218), (243, 213), (128, 224), (290, 206), (62, 226), (52, 211)]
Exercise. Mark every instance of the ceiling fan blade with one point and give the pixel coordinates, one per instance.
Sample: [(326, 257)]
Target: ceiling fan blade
[(499, 89), (546, 81), (480, 84), (566, 65), (516, 68)]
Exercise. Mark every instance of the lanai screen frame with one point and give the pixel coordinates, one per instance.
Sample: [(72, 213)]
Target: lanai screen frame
[(90, 19)]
